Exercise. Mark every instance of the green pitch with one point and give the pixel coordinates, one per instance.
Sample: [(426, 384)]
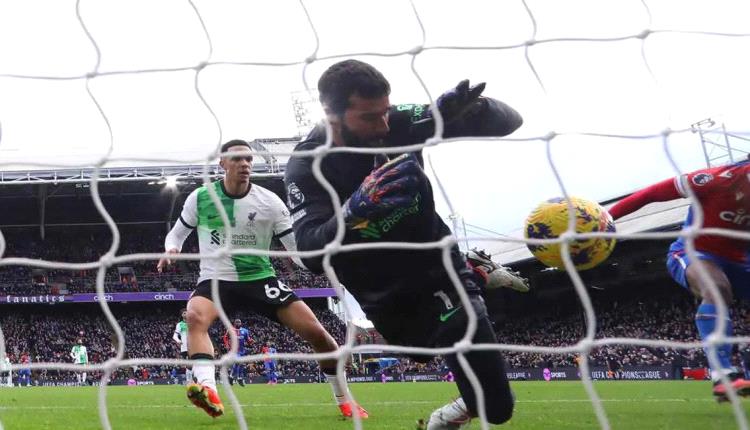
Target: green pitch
[(678, 405)]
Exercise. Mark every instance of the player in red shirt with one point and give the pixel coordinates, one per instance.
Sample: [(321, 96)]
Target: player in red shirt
[(724, 195), (269, 363), (24, 374), (244, 341)]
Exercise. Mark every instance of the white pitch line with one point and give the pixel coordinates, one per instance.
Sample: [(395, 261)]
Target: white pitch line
[(409, 402)]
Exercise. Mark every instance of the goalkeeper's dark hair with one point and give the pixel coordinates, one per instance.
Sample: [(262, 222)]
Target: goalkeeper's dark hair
[(349, 77), (234, 142)]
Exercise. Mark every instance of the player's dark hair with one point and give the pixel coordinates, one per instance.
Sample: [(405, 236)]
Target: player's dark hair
[(349, 77), (234, 142)]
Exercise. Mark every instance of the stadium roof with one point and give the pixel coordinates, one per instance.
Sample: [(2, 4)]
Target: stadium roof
[(270, 163), (654, 217)]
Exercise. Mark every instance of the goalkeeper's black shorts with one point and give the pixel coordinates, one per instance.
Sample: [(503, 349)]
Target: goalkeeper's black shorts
[(429, 316), (440, 320), (432, 321), (264, 296)]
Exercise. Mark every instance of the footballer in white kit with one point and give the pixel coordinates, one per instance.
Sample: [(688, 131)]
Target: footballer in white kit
[(6, 375), (257, 216), (180, 337), (80, 355)]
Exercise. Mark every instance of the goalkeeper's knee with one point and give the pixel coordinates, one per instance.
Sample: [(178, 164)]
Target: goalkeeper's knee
[(501, 410)]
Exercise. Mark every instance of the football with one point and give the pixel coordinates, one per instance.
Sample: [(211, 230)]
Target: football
[(550, 219)]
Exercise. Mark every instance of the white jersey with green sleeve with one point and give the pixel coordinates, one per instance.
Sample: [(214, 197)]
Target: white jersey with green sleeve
[(257, 217), (79, 354), (180, 335)]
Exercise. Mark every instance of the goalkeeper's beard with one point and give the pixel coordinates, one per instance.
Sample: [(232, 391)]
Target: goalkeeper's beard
[(352, 139)]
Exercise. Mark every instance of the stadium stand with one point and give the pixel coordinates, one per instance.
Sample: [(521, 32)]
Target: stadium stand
[(88, 243), (632, 293), (48, 331)]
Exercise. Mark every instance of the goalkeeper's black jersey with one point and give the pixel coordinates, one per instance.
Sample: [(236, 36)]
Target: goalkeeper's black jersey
[(381, 278)]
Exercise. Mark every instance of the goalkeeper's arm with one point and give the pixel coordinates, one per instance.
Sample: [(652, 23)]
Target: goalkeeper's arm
[(390, 186), (489, 117), (464, 113), (314, 221)]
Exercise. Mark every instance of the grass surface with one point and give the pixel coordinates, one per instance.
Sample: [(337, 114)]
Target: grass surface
[(678, 405)]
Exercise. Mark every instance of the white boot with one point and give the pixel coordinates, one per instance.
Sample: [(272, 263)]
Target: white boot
[(498, 276), (452, 416)]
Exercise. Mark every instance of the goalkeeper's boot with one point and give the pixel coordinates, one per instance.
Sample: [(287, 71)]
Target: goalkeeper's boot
[(740, 385), (206, 398), (348, 411), (452, 416), (495, 275)]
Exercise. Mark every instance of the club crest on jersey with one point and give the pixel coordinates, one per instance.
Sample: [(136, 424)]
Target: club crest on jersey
[(251, 218), (294, 195), (215, 237), (702, 178)]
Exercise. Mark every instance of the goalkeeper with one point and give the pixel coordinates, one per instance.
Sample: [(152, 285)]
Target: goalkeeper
[(407, 294)]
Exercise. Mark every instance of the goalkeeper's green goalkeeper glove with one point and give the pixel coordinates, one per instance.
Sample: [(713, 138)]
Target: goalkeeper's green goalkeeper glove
[(452, 104), (388, 187)]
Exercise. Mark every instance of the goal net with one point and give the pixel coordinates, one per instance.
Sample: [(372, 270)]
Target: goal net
[(608, 92)]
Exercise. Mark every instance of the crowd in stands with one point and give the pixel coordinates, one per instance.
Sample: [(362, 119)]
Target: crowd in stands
[(662, 317), (81, 245), (48, 336), (49, 332)]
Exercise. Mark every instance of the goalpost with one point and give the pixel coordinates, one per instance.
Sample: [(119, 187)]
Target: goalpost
[(429, 40)]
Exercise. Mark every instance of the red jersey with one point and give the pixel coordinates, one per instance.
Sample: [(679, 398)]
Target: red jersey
[(724, 195), (243, 338), (268, 352), (226, 338)]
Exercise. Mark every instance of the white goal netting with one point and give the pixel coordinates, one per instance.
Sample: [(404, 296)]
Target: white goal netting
[(588, 77)]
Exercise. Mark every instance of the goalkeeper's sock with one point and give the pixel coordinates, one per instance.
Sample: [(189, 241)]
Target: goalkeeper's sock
[(205, 373), (705, 320), (339, 390)]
